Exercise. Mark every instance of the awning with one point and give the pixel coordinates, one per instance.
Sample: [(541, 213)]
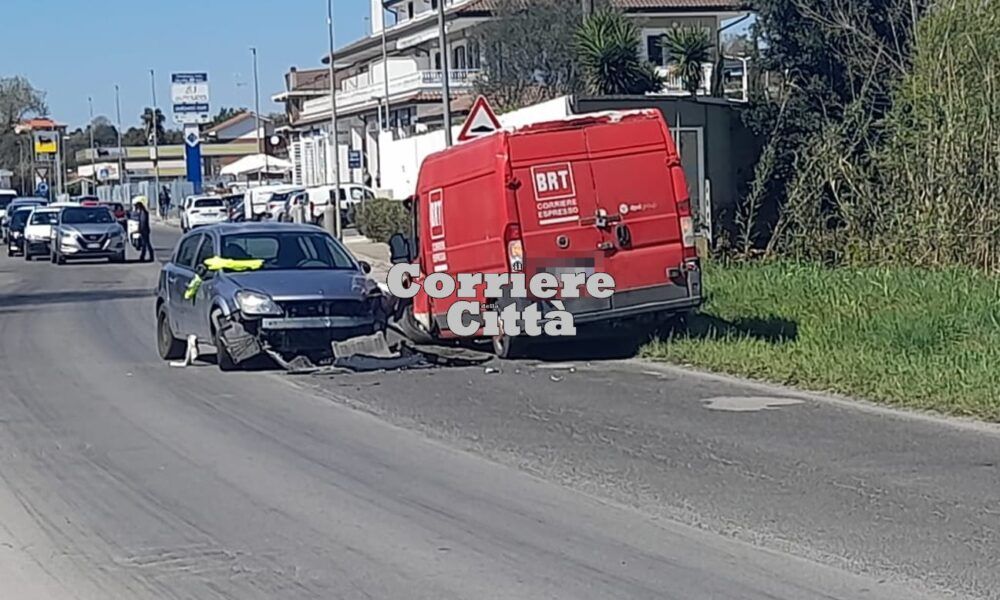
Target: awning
[(257, 163)]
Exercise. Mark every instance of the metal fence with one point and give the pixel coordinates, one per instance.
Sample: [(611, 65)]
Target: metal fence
[(124, 193)]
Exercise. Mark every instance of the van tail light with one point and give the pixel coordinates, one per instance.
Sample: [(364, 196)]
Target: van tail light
[(687, 232), (515, 249)]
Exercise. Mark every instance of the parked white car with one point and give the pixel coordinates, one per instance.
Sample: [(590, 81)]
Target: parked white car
[(256, 199), (203, 210), (351, 194), (38, 231)]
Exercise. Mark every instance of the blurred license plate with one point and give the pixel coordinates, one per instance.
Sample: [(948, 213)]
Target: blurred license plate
[(559, 271), (93, 246)]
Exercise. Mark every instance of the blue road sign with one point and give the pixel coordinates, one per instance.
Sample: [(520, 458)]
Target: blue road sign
[(42, 189), (354, 159), (192, 156)]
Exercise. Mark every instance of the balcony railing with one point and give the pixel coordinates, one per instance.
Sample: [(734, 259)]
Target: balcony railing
[(674, 84), (416, 81)]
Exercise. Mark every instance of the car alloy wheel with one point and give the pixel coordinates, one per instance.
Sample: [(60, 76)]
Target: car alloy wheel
[(169, 347)]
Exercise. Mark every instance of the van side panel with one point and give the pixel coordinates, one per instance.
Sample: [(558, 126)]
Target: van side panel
[(463, 211)]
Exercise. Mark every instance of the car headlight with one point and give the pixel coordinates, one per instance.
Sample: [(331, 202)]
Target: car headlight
[(115, 233), (15, 234), (256, 304)]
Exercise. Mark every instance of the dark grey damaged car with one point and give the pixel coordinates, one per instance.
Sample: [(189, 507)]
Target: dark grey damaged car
[(309, 292)]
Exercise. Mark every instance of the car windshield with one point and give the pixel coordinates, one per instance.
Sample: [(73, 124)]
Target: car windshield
[(47, 217), (209, 203), (76, 216), (288, 250), (19, 218)]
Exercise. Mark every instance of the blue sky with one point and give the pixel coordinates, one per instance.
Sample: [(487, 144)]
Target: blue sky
[(83, 48)]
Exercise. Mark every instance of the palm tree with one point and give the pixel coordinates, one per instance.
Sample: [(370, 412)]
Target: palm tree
[(147, 124), (688, 49), (608, 48)]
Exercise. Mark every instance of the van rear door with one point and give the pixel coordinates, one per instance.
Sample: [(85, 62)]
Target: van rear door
[(555, 198), (636, 175)]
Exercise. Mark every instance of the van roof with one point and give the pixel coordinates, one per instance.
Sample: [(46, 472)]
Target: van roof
[(561, 124)]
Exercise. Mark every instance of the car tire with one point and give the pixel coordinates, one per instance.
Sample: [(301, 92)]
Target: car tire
[(168, 346), (60, 259), (9, 252), (118, 258), (223, 360)]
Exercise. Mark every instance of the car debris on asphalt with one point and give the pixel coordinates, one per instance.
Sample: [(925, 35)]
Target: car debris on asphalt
[(374, 352)]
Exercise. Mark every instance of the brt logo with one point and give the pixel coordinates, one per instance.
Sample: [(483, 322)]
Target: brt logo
[(553, 182)]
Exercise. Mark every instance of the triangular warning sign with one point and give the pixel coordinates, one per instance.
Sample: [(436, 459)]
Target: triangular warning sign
[(481, 121)]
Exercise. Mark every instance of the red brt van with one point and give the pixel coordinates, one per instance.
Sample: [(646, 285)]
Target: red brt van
[(594, 193)]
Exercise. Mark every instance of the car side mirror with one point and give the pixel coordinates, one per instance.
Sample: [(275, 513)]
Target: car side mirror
[(399, 249), (366, 268), (202, 271)]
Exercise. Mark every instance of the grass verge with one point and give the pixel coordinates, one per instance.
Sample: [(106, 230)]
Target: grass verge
[(908, 337)]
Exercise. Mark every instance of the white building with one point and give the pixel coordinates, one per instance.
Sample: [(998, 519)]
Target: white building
[(406, 32)]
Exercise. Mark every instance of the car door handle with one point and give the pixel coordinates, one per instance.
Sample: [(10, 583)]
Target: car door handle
[(171, 280)]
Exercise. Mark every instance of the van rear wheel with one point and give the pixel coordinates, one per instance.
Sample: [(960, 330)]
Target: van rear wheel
[(510, 347)]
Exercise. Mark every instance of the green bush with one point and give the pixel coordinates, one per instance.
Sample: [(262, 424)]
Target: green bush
[(380, 218)]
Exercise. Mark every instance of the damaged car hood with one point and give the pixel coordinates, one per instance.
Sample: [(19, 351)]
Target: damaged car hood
[(306, 284)]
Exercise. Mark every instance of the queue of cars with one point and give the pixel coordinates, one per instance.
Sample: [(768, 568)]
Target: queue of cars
[(83, 229)]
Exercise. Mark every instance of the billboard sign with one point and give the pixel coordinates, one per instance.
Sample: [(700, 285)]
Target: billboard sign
[(190, 98)]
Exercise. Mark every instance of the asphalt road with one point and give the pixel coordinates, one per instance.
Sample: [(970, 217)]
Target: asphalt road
[(121, 477)]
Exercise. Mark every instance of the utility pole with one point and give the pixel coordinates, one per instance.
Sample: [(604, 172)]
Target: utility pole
[(121, 148), (331, 216), (385, 82), (256, 103), (445, 88), (156, 143), (93, 151)]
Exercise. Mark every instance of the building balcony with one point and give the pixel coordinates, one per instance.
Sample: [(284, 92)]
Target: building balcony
[(360, 95), (674, 85)]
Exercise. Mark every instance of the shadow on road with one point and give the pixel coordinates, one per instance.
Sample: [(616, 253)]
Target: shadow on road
[(72, 297)]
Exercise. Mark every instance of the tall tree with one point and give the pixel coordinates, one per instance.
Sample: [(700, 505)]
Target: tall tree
[(527, 52), (147, 123), (18, 100), (832, 67), (607, 45)]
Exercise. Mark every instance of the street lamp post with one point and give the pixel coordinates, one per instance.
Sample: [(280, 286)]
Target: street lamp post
[(121, 148), (331, 216), (93, 152), (446, 92), (156, 141), (256, 101)]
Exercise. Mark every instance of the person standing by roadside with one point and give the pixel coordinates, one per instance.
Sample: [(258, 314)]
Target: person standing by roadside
[(164, 202), (144, 233)]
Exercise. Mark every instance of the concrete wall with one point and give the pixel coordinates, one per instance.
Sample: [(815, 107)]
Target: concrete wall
[(401, 158)]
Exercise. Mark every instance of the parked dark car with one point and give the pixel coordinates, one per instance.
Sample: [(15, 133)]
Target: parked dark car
[(309, 292), (15, 241), (14, 205)]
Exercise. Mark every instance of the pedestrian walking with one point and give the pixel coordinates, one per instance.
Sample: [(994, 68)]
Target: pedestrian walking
[(367, 178), (144, 233)]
